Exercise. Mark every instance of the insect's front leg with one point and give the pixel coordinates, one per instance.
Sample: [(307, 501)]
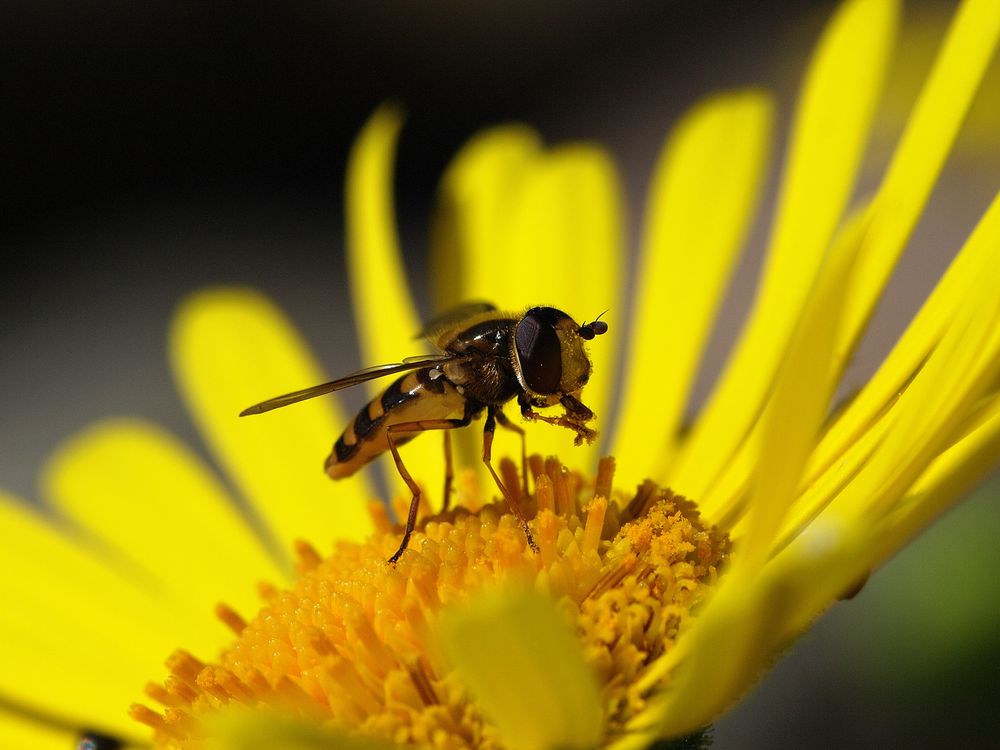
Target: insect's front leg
[(576, 409), (574, 417), (488, 429)]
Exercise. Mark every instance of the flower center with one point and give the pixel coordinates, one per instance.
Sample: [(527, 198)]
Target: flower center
[(353, 641)]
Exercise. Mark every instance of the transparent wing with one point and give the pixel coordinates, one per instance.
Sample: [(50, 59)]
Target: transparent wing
[(361, 376)]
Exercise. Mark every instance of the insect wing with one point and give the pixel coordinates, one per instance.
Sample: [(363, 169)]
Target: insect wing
[(452, 317), (361, 376)]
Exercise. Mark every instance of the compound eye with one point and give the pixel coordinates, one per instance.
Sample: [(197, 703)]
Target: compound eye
[(539, 352)]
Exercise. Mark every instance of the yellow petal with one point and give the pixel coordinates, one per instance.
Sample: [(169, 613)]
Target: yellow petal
[(385, 314), (916, 164), (929, 135), (469, 235), (865, 420), (836, 552), (725, 498), (565, 248), (528, 227), (143, 493), (802, 390), (468, 245), (743, 627), (828, 140), (232, 348), (705, 188), (732, 640), (81, 640), (930, 411), (893, 213), (519, 658), (19, 732), (245, 730), (951, 476)]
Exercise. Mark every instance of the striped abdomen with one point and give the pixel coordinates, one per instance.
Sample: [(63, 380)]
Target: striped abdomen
[(414, 396)]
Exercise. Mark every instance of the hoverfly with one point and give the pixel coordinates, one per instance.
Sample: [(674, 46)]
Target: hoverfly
[(486, 358)]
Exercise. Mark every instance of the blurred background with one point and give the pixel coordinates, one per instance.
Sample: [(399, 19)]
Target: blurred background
[(158, 148)]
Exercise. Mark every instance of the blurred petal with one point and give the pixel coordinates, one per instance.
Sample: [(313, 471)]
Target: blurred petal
[(916, 164), (951, 476), (929, 413), (930, 132), (143, 493), (385, 314), (468, 247), (737, 635), (60, 653), (520, 659), (565, 247), (232, 348), (18, 732), (828, 140), (525, 227), (860, 427), (726, 499), (469, 235), (238, 730), (731, 640), (705, 189), (802, 390)]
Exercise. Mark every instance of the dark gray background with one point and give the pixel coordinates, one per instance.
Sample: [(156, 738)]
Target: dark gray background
[(157, 148)]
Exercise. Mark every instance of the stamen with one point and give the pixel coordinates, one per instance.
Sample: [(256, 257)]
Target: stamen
[(640, 503), (178, 721), (209, 681), (184, 665), (595, 524), (467, 490), (380, 516), (605, 477), (308, 556), (560, 486), (537, 466), (422, 683), (179, 692), (230, 618), (158, 693), (544, 497), (354, 642), (512, 482), (266, 591), (612, 577), (149, 717)]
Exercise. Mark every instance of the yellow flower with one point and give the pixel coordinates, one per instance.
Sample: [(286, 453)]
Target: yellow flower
[(676, 607)]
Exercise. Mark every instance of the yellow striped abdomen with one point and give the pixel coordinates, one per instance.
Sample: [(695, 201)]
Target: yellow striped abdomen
[(413, 397)]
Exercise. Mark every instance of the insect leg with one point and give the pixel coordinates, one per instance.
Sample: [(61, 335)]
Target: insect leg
[(417, 426), (488, 430), (576, 414), (507, 424)]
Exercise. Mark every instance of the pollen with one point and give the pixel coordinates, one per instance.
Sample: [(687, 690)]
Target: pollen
[(352, 643)]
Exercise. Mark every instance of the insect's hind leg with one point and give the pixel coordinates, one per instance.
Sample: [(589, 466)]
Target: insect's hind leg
[(507, 424), (417, 426), (488, 429)]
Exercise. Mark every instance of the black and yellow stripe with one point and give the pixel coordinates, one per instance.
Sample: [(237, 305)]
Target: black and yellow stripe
[(370, 418)]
